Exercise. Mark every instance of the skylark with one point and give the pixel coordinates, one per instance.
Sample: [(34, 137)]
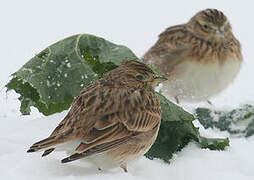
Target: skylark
[(200, 58), (113, 121)]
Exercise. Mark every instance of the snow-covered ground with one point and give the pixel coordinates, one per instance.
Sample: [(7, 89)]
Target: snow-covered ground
[(27, 27)]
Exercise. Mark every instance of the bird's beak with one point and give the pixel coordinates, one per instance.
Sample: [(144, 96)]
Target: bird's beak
[(158, 79)]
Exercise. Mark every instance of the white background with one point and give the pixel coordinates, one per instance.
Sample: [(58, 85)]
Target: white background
[(27, 27)]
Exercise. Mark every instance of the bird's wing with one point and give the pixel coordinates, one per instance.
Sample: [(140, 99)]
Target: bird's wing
[(101, 114), (171, 49), (69, 128), (125, 114)]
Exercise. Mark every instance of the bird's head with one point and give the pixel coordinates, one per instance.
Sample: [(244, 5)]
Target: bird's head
[(210, 24), (135, 74)]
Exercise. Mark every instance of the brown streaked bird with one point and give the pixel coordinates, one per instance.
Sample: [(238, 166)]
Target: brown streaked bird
[(113, 121), (200, 58)]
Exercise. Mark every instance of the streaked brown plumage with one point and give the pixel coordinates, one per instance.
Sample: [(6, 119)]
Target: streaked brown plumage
[(200, 58), (116, 118)]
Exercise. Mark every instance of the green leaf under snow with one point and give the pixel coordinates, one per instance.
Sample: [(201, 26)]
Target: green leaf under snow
[(239, 121), (214, 143), (51, 79), (177, 130)]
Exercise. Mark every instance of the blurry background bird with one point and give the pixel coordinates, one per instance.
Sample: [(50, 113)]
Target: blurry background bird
[(113, 121), (200, 58)]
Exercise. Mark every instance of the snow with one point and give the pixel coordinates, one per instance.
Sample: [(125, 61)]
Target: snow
[(68, 65), (28, 27)]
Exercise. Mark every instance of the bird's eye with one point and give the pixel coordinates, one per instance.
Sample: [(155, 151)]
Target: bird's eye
[(205, 26), (140, 77)]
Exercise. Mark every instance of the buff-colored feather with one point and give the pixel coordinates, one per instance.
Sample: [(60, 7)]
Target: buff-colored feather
[(118, 115), (200, 58)]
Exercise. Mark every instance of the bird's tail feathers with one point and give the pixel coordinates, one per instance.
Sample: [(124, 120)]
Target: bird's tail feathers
[(50, 142)]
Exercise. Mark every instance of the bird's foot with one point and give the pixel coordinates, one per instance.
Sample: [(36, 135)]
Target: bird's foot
[(209, 102), (124, 167), (177, 100)]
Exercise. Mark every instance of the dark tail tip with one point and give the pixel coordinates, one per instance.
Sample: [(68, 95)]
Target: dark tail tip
[(65, 160), (47, 152), (72, 158), (30, 150)]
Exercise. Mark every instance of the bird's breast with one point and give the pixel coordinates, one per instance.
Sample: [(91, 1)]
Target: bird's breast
[(196, 81)]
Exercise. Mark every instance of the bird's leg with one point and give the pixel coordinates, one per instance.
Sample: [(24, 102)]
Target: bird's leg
[(209, 102), (124, 167), (177, 100)]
